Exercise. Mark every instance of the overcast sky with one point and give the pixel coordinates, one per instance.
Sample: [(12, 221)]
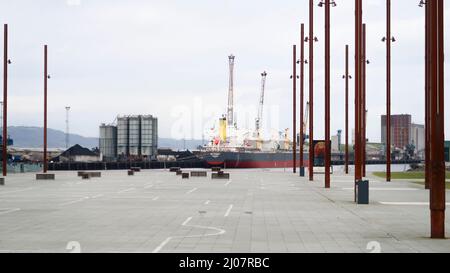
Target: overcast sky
[(169, 58)]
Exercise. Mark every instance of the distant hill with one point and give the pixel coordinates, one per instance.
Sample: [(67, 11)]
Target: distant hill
[(32, 137)]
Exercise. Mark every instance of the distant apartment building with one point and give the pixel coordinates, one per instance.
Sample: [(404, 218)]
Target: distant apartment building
[(134, 137), (404, 132)]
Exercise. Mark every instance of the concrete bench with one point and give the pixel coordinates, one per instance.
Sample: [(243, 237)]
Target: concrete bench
[(220, 176), (174, 169), (215, 169), (130, 172), (91, 174), (85, 176), (95, 174), (199, 174), (2, 181), (45, 176), (185, 175)]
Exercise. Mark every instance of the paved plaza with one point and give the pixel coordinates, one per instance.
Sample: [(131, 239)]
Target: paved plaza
[(255, 211)]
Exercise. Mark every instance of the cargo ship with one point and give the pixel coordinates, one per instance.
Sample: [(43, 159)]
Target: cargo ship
[(232, 147), (252, 159)]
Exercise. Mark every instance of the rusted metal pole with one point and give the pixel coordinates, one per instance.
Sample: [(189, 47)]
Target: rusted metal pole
[(388, 90), (357, 147), (294, 107), (45, 109), (311, 90), (5, 102), (363, 99), (427, 98), (327, 95), (437, 190), (346, 109), (302, 76)]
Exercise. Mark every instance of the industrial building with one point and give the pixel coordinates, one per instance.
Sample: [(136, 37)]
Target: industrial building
[(404, 132), (132, 138), (108, 142), (418, 137)]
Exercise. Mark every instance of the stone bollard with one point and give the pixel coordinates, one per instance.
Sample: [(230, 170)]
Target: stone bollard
[(45, 176), (198, 173)]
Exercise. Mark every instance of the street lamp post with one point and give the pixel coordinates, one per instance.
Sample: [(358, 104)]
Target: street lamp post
[(302, 76), (346, 77), (6, 62), (311, 39), (46, 77), (436, 99), (327, 4), (388, 39)]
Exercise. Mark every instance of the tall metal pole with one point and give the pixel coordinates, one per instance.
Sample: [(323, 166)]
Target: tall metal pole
[(67, 127), (427, 98), (45, 108), (363, 98), (294, 107), (346, 109), (311, 90), (327, 95), (358, 61), (437, 190), (388, 90), (302, 74), (5, 102)]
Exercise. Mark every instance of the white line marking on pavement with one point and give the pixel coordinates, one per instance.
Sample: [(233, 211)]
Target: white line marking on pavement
[(207, 202), (97, 196), (191, 191), (386, 189), (73, 202), (126, 190), (228, 183), (5, 192), (219, 231), (187, 221), (156, 250), (407, 203), (155, 198), (9, 211), (228, 211)]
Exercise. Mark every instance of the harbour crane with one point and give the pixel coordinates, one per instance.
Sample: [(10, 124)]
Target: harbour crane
[(230, 110), (258, 121)]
